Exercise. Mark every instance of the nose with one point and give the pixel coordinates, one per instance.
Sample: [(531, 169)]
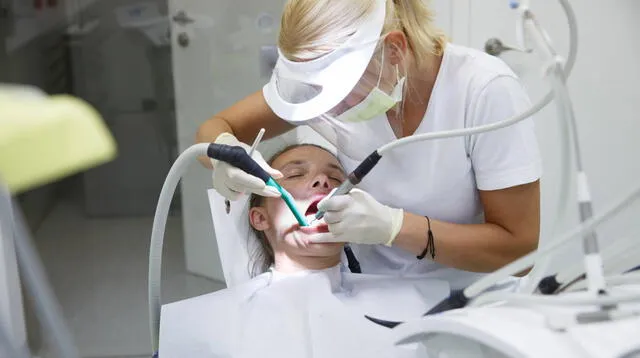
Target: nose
[(321, 181)]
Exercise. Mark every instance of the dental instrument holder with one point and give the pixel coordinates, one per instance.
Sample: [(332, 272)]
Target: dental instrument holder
[(592, 257), (353, 179), (240, 159)]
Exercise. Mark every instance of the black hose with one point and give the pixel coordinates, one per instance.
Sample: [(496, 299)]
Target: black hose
[(383, 323), (456, 299), (354, 264), (239, 158)]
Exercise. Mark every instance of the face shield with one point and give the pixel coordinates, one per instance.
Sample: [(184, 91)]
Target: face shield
[(337, 93)]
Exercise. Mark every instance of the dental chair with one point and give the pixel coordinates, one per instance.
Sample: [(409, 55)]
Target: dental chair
[(234, 254)]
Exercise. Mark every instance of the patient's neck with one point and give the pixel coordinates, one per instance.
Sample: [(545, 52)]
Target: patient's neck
[(290, 263)]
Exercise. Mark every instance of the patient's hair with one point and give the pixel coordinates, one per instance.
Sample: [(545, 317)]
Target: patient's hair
[(262, 258)]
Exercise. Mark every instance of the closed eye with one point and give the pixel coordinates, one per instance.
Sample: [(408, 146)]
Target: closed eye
[(293, 176)]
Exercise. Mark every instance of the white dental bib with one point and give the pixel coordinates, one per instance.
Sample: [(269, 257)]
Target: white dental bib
[(306, 314)]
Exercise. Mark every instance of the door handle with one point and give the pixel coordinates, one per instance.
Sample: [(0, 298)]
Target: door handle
[(495, 47), (181, 18)]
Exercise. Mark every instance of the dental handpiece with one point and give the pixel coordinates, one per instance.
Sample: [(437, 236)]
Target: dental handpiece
[(240, 159), (354, 178)]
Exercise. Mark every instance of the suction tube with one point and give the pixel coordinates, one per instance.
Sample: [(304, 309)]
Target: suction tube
[(157, 234), (240, 159)]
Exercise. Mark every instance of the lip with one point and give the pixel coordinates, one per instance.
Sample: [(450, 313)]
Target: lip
[(314, 200), (317, 229)]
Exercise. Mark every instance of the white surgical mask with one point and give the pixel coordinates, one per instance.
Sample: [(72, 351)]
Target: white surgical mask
[(376, 103)]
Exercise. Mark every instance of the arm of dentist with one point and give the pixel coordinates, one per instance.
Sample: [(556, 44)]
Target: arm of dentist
[(506, 166), (511, 230)]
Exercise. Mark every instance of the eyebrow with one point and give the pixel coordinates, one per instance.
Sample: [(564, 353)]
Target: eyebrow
[(294, 163), (337, 167)]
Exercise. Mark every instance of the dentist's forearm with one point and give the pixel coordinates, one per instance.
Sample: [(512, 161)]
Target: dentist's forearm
[(469, 247)]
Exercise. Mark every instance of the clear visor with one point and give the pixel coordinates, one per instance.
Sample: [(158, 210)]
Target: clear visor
[(377, 74), (300, 91)]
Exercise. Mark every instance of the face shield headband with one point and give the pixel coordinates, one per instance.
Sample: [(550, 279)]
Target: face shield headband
[(301, 91)]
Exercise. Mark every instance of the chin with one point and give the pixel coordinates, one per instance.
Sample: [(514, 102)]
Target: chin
[(323, 250), (303, 242)]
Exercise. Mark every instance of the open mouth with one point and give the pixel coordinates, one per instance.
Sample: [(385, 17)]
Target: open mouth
[(313, 207)]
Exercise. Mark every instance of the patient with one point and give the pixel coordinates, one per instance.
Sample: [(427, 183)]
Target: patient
[(309, 174), (300, 302)]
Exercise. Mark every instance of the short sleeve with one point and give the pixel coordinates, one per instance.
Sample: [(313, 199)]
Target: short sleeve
[(508, 156)]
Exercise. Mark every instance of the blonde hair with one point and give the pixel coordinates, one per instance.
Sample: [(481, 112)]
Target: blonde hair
[(312, 28)]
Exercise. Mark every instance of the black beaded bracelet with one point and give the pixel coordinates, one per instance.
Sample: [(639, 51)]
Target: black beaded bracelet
[(430, 248)]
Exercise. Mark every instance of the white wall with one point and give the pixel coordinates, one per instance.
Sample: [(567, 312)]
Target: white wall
[(605, 96)]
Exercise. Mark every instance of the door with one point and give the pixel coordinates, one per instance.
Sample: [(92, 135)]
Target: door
[(217, 47), (223, 51)]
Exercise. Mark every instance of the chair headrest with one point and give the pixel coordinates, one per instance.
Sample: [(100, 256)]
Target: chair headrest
[(236, 241)]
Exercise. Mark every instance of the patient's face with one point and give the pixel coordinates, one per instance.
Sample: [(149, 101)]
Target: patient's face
[(309, 174)]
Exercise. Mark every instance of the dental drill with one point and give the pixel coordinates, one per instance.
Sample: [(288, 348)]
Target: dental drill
[(353, 179)]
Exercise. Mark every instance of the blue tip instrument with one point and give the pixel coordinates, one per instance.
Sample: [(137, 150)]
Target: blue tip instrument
[(240, 159)]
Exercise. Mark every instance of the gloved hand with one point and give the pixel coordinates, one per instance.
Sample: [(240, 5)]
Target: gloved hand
[(359, 218), (231, 182)]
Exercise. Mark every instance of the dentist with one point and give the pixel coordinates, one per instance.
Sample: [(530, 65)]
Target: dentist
[(363, 73)]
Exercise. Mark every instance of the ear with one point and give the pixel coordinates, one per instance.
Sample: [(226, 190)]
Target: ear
[(396, 47), (259, 218)]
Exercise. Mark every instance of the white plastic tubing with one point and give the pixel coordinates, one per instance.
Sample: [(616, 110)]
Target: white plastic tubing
[(565, 126), (157, 234), (527, 260)]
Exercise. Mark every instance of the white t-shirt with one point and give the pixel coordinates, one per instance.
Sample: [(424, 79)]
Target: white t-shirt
[(441, 178)]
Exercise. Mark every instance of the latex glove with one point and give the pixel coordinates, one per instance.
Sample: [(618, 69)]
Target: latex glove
[(359, 218), (231, 182)]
